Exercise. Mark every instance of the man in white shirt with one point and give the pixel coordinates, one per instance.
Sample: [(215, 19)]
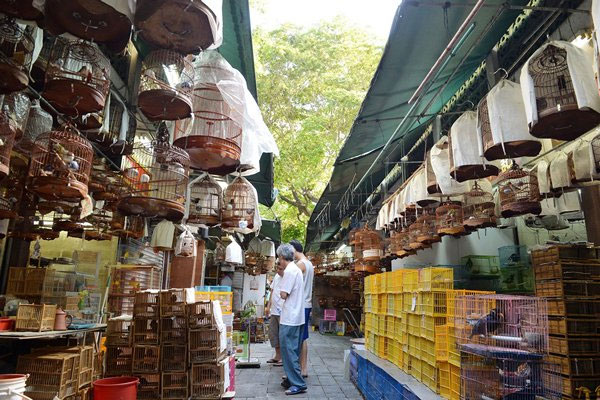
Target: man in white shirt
[(291, 320), (274, 312), (308, 273)]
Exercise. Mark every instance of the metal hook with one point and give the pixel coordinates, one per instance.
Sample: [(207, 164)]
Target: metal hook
[(465, 102), (502, 69)]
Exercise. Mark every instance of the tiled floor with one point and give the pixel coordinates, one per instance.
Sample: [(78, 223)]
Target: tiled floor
[(325, 374)]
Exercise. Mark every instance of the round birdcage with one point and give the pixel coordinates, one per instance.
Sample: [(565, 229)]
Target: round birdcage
[(22, 9), (518, 192), (157, 176), (8, 131), (165, 86), (17, 106), (449, 218), (558, 113), (212, 139), (478, 208), (415, 230), (239, 205), (371, 267), (131, 226), (371, 245), (60, 165), (426, 226), (38, 122), (180, 25), (16, 55), (117, 128), (67, 225), (77, 77), (206, 202), (59, 207), (112, 186)]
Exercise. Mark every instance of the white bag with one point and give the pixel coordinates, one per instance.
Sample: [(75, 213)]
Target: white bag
[(560, 173), (583, 162), (441, 168)]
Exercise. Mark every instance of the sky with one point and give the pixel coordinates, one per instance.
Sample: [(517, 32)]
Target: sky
[(375, 16)]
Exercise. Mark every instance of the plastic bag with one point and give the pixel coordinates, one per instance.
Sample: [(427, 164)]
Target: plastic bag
[(186, 244)]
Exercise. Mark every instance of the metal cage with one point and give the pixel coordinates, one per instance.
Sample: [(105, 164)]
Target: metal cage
[(16, 55), (449, 218), (478, 208), (426, 228), (239, 205), (60, 165), (518, 192), (165, 86), (77, 77), (206, 202)]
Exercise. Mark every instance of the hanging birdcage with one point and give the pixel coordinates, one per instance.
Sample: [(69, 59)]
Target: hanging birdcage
[(371, 267), (77, 77), (8, 131), (449, 218), (60, 165), (63, 207), (465, 161), (67, 225), (8, 201), (157, 177), (503, 137), (17, 106), (38, 122), (596, 152), (414, 232), (206, 202), (432, 186), (165, 86), (117, 130), (212, 139), (404, 239), (99, 21), (518, 192), (440, 163), (16, 55), (21, 9), (427, 228), (556, 82), (239, 205), (478, 208), (371, 245), (131, 226), (187, 27)]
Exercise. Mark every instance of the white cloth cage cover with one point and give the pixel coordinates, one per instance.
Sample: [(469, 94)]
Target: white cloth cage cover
[(560, 176), (233, 253), (583, 162), (441, 168), (465, 143), (543, 176), (579, 61), (422, 197)]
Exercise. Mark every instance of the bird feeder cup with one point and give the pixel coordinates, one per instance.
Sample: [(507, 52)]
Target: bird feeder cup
[(478, 209), (239, 205), (449, 218), (166, 86), (206, 202), (77, 78), (16, 55), (60, 165), (518, 192)]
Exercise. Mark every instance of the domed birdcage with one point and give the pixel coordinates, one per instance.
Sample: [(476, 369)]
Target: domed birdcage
[(206, 202), (404, 239), (503, 137), (8, 131), (7, 203), (60, 165), (16, 55), (449, 218), (427, 227), (518, 192), (181, 25), (212, 139), (478, 208), (38, 122), (157, 177), (17, 106), (165, 86), (564, 107), (239, 205), (77, 77), (21, 9), (371, 245)]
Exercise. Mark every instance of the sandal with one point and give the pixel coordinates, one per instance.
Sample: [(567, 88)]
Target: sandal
[(294, 390), (278, 364), (273, 361)]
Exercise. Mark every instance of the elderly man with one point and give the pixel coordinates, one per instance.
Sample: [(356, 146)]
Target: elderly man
[(291, 321), (274, 312)]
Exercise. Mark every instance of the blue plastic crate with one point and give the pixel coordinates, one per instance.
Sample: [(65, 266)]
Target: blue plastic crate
[(213, 288)]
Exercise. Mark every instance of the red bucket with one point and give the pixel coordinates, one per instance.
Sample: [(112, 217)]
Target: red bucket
[(119, 388)]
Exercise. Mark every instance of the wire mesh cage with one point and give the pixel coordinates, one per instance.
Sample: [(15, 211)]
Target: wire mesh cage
[(60, 165), (239, 205), (479, 208), (24, 10), (558, 113), (165, 86), (16, 55), (77, 77), (38, 122), (449, 218), (513, 325), (206, 202), (157, 176), (131, 226), (212, 138), (428, 229), (518, 192)]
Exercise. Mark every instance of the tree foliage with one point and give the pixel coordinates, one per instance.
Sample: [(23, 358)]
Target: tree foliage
[(311, 83)]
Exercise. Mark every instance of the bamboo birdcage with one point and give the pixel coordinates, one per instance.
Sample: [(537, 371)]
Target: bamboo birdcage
[(414, 231), (449, 218), (38, 122), (212, 138), (426, 226), (117, 130), (479, 208), (77, 77), (518, 192), (371, 245), (131, 226), (8, 131), (23, 9), (157, 176), (558, 113), (239, 205), (165, 86), (206, 202), (60, 165), (16, 55)]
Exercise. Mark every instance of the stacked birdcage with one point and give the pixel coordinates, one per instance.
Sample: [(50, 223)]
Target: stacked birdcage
[(519, 192), (206, 202), (449, 218), (478, 208), (146, 360), (239, 205), (16, 55)]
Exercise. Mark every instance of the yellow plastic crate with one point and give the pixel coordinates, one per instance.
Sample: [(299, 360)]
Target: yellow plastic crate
[(368, 303), (372, 342), (428, 325), (414, 346), (382, 304), (454, 382), (413, 323), (405, 361), (415, 367), (398, 331), (428, 375), (443, 377), (427, 348), (394, 282), (434, 303), (368, 321), (381, 324), (389, 326), (367, 285), (398, 302), (441, 345), (398, 354), (436, 278), (225, 298), (391, 304), (410, 280), (383, 282), (381, 349)]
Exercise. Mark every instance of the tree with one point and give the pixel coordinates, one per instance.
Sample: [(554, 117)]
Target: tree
[(311, 83)]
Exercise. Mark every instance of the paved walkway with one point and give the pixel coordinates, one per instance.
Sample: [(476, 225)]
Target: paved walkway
[(325, 373)]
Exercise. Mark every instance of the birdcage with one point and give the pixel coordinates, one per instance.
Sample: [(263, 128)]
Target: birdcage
[(518, 192), (98, 21), (77, 77), (165, 86), (371, 245), (60, 165), (131, 226), (432, 185), (465, 161), (503, 137), (16, 54), (415, 230), (449, 218), (157, 177), (24, 10), (181, 25), (239, 205), (117, 129), (558, 112), (17, 105), (479, 208), (206, 202), (212, 138), (596, 152), (425, 228), (8, 131), (38, 122)]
